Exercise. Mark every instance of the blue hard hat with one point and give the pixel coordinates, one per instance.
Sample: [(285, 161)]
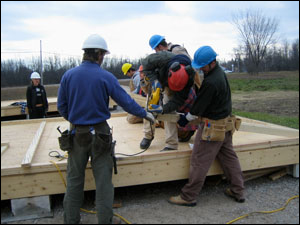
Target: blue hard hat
[(155, 40), (203, 56)]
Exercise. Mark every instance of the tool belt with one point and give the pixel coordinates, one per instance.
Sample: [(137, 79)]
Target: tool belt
[(215, 130), (103, 141), (65, 140)]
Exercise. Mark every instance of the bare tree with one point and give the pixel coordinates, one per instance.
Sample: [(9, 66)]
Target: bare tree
[(257, 33), (238, 52), (295, 55)]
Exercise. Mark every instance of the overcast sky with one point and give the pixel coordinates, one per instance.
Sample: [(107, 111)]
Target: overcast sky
[(127, 26)]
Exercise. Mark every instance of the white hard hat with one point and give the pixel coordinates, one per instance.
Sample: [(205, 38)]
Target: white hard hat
[(95, 41), (35, 75)]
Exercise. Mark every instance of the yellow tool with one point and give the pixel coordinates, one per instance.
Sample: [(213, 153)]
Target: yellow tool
[(154, 98)]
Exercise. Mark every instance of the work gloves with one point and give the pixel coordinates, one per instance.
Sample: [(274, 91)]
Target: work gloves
[(185, 119), (150, 117)]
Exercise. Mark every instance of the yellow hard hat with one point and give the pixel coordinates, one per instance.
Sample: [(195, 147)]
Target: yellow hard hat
[(126, 67)]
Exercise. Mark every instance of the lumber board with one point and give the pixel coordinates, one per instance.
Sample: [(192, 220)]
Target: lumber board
[(269, 129), (37, 184), (168, 117), (255, 151), (33, 146), (279, 174), (139, 99), (8, 110), (253, 174), (4, 147)]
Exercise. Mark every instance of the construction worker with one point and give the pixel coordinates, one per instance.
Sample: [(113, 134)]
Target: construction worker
[(176, 78), (83, 98), (134, 86), (159, 43), (134, 76), (142, 80), (214, 137), (36, 96)]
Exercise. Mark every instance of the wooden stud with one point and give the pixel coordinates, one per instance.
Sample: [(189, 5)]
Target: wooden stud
[(269, 129), (31, 150), (278, 174), (168, 117), (253, 174), (9, 110), (4, 147)]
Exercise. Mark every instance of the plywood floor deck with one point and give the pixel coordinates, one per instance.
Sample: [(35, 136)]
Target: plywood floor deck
[(258, 145)]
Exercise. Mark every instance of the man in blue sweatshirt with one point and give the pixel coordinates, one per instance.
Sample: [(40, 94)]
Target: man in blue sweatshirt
[(83, 100)]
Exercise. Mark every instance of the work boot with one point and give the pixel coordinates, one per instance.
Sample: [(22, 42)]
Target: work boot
[(145, 143), (230, 194), (177, 200), (167, 149)]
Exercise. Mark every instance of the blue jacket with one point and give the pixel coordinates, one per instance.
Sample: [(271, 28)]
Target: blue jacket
[(83, 95)]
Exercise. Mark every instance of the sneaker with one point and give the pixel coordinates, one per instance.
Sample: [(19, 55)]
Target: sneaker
[(145, 143), (177, 200), (230, 194), (167, 149)]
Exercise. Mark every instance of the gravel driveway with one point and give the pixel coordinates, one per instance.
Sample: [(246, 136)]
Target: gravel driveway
[(147, 204)]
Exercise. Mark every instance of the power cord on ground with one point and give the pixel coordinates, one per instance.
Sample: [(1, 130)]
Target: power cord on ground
[(84, 210), (265, 212)]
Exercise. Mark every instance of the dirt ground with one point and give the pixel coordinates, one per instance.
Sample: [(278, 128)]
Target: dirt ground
[(147, 204), (282, 103)]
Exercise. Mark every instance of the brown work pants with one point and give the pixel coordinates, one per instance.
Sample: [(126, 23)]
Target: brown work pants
[(203, 155)]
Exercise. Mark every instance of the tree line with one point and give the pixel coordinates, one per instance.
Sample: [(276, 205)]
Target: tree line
[(277, 58), (17, 72)]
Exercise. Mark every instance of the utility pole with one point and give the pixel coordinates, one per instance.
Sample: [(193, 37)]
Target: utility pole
[(41, 62)]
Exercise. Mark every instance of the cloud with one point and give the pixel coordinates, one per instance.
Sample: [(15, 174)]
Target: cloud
[(178, 30), (128, 38), (126, 26), (181, 7)]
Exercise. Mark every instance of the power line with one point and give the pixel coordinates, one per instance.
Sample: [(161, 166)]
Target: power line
[(52, 53), (20, 52), (62, 54)]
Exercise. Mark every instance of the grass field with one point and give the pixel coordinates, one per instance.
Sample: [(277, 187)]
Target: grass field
[(286, 81), (267, 82)]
